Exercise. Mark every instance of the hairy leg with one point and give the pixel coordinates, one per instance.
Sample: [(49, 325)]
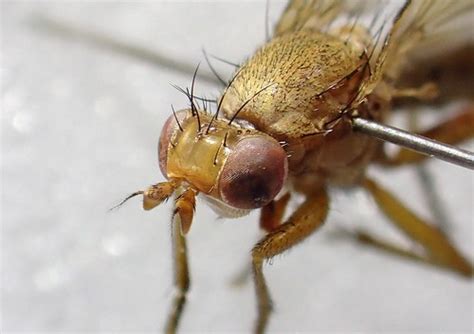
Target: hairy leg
[(182, 218), (439, 251), (304, 221)]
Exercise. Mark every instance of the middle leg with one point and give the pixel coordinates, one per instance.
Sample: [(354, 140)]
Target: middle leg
[(304, 221)]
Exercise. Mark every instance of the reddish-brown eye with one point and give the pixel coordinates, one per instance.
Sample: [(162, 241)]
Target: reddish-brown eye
[(170, 127), (253, 174)]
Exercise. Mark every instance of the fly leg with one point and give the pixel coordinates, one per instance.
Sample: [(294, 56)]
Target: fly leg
[(452, 131), (427, 92), (271, 216), (304, 221), (438, 249), (433, 199), (182, 218), (181, 222), (181, 277)]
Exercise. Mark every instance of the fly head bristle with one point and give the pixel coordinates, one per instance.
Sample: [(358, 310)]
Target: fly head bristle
[(213, 70), (176, 119)]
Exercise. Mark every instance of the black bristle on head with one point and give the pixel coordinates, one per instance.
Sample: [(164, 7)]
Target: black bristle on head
[(216, 114), (213, 70), (191, 98), (225, 61), (176, 118)]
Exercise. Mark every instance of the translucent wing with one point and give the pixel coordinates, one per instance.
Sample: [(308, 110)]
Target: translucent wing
[(396, 29), (444, 56), (317, 14), (415, 25)]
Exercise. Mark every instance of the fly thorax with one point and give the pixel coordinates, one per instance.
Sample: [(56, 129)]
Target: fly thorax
[(313, 77)]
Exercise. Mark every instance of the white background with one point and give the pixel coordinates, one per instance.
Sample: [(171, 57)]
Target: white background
[(79, 131)]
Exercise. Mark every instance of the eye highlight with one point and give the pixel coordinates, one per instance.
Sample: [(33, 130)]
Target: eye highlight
[(254, 173)]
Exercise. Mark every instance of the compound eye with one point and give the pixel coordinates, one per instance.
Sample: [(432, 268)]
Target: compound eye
[(170, 127), (253, 173)]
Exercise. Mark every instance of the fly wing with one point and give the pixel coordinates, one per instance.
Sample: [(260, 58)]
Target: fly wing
[(317, 14), (445, 57), (397, 30), (415, 26)]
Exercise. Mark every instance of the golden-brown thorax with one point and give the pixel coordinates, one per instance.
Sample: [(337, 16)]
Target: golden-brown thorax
[(310, 78)]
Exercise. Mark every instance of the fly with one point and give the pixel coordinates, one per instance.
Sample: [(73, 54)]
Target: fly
[(295, 118)]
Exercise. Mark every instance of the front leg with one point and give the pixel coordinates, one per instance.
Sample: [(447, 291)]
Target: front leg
[(304, 221), (181, 222), (181, 277)]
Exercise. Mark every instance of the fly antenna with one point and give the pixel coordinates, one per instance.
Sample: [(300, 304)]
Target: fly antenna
[(246, 102), (415, 142)]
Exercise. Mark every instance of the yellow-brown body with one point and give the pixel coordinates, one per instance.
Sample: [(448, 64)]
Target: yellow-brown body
[(314, 77), (288, 115)]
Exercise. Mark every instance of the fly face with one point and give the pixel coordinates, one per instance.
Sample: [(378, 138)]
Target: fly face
[(239, 168)]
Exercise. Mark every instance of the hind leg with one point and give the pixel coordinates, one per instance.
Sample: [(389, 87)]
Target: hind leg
[(439, 251)]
